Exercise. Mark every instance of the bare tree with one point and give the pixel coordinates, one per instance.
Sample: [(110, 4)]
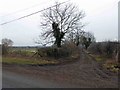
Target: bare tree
[(60, 20), (6, 43), (81, 37), (76, 36), (90, 35), (87, 39)]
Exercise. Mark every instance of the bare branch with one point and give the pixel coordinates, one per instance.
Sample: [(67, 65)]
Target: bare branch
[(68, 17)]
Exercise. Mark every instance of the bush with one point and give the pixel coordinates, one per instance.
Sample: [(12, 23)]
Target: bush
[(52, 52), (66, 50), (95, 48), (118, 53), (108, 48)]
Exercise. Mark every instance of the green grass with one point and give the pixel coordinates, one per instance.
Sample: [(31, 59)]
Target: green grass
[(98, 57), (21, 61), (22, 52)]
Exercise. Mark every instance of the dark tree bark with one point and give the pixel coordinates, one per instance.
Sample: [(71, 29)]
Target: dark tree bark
[(57, 34)]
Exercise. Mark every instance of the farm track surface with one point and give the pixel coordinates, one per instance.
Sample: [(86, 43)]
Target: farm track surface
[(85, 73)]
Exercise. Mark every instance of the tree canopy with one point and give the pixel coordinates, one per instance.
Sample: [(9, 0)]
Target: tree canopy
[(57, 22)]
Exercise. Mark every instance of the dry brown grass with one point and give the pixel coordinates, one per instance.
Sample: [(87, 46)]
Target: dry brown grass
[(112, 65)]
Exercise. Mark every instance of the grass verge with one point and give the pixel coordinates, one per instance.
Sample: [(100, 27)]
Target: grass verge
[(22, 61), (109, 64), (98, 57)]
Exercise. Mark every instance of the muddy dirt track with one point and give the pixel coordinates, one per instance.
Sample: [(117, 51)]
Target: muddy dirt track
[(85, 73)]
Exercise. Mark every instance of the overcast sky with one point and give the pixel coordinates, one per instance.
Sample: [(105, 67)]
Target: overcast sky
[(101, 16)]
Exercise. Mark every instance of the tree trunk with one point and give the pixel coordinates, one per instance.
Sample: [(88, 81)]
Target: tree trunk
[(58, 42)]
